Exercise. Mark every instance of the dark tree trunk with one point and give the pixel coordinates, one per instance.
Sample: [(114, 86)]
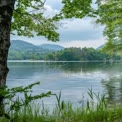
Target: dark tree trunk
[(6, 10)]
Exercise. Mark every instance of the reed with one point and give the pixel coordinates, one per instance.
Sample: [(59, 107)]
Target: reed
[(93, 111)]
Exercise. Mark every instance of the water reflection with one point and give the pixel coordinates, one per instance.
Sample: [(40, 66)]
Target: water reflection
[(113, 88), (73, 78)]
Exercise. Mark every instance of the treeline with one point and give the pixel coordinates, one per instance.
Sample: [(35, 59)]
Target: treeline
[(78, 54), (24, 55), (68, 54)]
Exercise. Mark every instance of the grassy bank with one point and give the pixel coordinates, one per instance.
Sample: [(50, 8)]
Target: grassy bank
[(67, 114), (99, 111), (95, 109)]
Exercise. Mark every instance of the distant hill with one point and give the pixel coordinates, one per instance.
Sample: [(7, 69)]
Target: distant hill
[(22, 45), (52, 47), (100, 47), (23, 50)]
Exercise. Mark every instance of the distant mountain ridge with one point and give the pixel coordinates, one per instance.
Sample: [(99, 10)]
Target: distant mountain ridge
[(52, 47), (24, 50), (100, 47), (22, 45)]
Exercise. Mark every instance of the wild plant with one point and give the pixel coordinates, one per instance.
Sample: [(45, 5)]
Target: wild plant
[(13, 103)]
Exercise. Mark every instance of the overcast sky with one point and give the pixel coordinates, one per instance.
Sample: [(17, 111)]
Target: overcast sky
[(74, 33)]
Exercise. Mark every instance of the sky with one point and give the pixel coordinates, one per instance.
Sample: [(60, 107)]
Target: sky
[(73, 32)]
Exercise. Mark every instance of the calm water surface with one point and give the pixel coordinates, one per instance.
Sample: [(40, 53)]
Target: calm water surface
[(73, 79)]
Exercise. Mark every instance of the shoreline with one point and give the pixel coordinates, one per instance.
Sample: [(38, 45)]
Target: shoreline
[(94, 61)]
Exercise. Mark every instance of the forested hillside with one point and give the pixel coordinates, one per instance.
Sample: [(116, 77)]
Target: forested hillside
[(21, 50)]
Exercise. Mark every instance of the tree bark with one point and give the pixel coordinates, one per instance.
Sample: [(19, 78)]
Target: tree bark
[(6, 11)]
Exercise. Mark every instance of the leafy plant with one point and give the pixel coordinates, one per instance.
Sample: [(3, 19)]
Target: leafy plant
[(13, 103)]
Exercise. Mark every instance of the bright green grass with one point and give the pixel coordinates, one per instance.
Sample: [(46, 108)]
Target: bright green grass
[(66, 112)]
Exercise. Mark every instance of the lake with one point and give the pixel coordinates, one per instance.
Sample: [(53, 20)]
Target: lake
[(73, 79)]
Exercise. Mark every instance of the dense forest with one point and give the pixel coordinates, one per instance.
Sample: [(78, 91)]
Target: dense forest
[(78, 54), (67, 54)]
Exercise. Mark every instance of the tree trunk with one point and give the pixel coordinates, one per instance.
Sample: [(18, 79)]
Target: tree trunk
[(6, 11)]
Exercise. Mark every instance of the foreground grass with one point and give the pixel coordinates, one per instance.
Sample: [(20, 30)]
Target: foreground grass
[(66, 112)]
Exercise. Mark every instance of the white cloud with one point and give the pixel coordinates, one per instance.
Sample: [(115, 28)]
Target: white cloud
[(80, 25), (49, 11), (80, 29), (76, 24), (88, 43), (55, 4)]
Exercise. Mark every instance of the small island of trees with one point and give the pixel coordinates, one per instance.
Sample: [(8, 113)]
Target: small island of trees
[(78, 54)]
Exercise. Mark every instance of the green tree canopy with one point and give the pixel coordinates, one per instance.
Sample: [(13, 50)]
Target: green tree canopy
[(76, 8), (29, 19), (110, 14)]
